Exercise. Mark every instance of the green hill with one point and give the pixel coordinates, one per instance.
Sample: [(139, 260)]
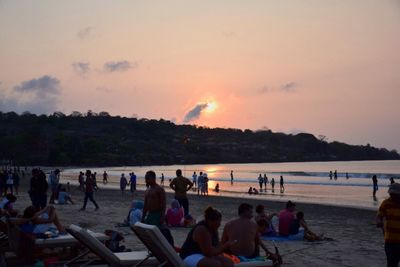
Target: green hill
[(99, 139)]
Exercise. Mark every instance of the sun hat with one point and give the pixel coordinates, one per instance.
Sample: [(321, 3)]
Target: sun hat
[(394, 189)]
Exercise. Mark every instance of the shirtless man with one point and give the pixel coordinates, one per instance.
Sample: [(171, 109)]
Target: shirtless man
[(154, 201), (248, 241)]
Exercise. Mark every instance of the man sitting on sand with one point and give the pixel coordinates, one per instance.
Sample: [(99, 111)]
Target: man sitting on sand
[(390, 211), (245, 231), (286, 218), (154, 201)]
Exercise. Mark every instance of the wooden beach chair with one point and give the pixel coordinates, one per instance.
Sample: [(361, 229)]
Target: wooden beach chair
[(119, 259), (159, 247)]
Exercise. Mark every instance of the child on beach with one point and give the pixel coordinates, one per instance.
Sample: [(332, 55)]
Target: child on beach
[(135, 212), (64, 197), (174, 215)]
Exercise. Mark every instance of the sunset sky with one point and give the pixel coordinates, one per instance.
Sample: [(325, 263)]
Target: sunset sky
[(325, 67)]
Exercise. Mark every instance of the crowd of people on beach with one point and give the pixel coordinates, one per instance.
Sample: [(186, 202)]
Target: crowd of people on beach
[(202, 246)]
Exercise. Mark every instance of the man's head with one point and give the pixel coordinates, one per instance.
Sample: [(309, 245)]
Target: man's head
[(245, 210), (179, 172), (260, 208), (88, 173), (394, 192), (290, 206), (57, 171), (150, 178)]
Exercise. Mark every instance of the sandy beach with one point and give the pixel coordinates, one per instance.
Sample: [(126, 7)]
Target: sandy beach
[(357, 241)]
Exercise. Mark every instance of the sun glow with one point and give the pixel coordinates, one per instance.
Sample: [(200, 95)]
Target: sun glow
[(211, 107)]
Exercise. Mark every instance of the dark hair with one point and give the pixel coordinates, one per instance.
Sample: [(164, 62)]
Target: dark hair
[(150, 174), (244, 207), (259, 208), (178, 172), (300, 215), (11, 197), (290, 204), (262, 223), (29, 212), (211, 214)]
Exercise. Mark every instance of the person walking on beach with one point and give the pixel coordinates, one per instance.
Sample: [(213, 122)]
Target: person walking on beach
[(123, 183), (181, 185), (260, 181), (330, 175), (273, 185), (155, 201), (392, 180), (194, 179), (335, 175), (231, 177), (132, 182), (105, 177), (374, 185), (347, 175), (282, 188), (89, 190), (265, 179), (390, 211)]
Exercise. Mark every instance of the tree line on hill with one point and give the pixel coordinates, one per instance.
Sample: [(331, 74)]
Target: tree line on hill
[(98, 139)]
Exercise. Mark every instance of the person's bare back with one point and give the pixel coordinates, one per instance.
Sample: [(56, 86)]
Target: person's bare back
[(245, 232)]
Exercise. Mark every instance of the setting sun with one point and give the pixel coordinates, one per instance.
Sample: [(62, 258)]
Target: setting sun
[(211, 107)]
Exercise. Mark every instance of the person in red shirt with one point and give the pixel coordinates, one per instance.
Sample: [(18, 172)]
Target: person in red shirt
[(286, 218), (89, 189)]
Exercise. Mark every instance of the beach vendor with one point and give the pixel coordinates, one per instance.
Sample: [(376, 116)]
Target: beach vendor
[(389, 217)]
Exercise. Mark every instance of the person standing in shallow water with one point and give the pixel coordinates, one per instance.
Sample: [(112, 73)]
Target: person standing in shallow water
[(231, 177), (260, 181), (374, 185), (335, 175), (330, 175), (273, 185), (282, 187), (265, 179)]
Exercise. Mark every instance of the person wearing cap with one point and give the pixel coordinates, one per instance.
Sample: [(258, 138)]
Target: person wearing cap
[(389, 211), (286, 218)]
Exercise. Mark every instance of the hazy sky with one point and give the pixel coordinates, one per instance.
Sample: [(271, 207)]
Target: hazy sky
[(325, 67)]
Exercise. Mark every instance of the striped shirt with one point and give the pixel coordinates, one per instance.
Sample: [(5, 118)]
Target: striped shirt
[(390, 210)]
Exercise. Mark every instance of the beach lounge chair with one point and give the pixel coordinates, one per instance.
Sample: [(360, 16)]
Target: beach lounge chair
[(119, 259), (159, 247)]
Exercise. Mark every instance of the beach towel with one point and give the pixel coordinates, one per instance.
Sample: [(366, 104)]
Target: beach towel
[(296, 237)]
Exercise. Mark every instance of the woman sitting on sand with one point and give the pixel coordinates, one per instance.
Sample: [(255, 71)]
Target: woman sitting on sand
[(202, 247), (308, 234), (174, 215)]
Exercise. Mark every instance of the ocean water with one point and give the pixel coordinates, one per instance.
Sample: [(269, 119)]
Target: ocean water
[(307, 182)]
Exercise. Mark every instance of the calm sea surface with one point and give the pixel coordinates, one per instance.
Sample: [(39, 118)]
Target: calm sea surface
[(304, 182)]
